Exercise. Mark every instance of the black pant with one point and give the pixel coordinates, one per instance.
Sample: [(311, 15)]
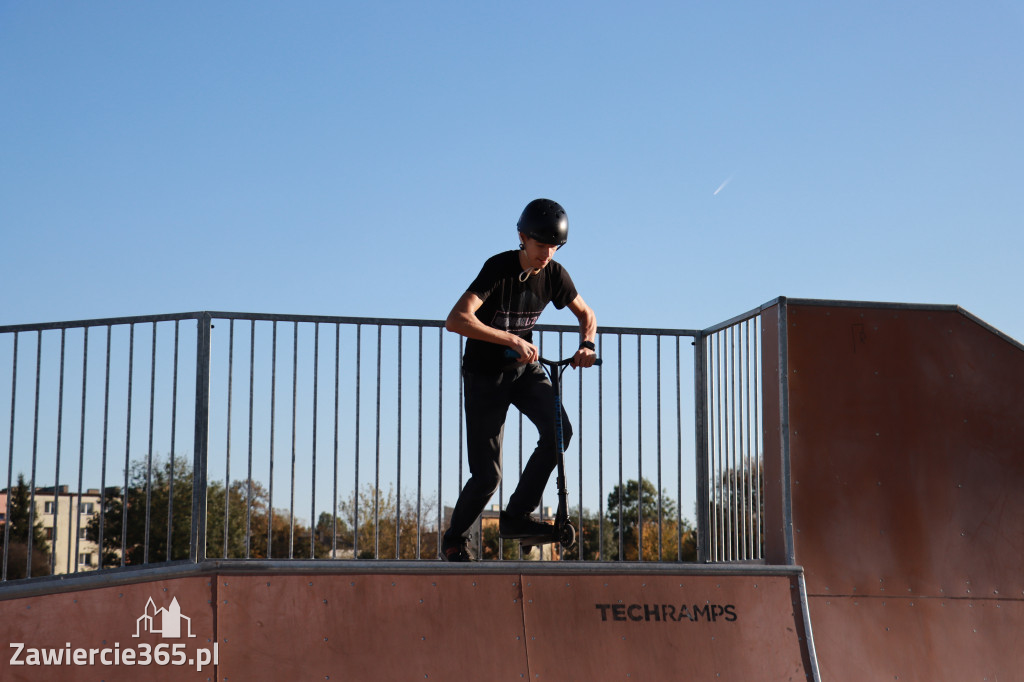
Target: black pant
[(487, 399)]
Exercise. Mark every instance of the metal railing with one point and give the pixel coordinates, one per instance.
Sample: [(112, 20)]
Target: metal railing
[(731, 466), (216, 435)]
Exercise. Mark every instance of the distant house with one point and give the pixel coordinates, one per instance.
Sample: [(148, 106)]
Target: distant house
[(65, 516)]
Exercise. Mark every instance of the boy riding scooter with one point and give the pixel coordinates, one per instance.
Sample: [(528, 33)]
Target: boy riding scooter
[(497, 314)]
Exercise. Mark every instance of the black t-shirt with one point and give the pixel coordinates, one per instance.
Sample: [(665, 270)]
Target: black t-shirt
[(512, 305)]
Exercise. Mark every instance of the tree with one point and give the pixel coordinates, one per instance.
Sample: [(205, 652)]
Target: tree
[(387, 521), (648, 525), (737, 512), (21, 517), (157, 483), (151, 486), (19, 522)]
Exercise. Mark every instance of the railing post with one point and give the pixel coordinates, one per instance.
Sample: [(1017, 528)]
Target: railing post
[(700, 403), (197, 542)]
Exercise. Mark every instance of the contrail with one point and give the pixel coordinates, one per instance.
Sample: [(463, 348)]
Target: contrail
[(722, 186)]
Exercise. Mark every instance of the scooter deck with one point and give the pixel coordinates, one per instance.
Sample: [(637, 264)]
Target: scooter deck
[(533, 540)]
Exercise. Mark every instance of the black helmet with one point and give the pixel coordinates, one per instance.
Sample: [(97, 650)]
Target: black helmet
[(545, 221)]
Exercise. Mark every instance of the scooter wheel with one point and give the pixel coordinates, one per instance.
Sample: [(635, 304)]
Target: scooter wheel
[(567, 536)]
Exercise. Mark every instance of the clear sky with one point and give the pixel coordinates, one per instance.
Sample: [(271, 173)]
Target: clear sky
[(363, 158)]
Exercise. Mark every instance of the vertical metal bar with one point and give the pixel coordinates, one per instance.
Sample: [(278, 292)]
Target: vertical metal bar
[(747, 487), (461, 407), (248, 473), (227, 436), (337, 409), (719, 483), (600, 449), (35, 450), (639, 451), (197, 543), (621, 535), (376, 470), (273, 417), (700, 420), (419, 441), (759, 438), (81, 442), (579, 466), (657, 449), (10, 454), (733, 474), (787, 493), (103, 466), (56, 473), (149, 449), (295, 400), (355, 492), (128, 447), (398, 457), (312, 482), (440, 433), (174, 430), (679, 456)]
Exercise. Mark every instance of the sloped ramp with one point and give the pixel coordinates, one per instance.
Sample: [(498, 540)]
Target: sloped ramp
[(429, 626)]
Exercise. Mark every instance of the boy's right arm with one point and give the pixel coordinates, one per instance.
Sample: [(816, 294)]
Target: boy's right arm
[(463, 320)]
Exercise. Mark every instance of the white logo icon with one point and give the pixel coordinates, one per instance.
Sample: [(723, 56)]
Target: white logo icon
[(166, 622)]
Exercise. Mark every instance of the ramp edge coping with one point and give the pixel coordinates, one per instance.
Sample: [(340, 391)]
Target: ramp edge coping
[(131, 575)]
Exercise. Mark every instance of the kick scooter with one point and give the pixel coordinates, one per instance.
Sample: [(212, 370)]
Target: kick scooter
[(562, 532)]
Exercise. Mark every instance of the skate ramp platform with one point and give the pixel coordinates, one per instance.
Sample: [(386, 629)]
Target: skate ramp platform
[(902, 500), (893, 543), (604, 624)]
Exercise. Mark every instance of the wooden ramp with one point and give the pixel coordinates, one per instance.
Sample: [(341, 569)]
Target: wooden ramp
[(422, 626), (906, 485)]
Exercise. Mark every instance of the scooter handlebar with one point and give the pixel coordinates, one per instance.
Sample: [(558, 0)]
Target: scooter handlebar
[(512, 355)]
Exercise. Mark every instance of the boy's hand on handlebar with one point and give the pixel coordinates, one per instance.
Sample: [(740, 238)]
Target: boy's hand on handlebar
[(527, 351), (584, 357)]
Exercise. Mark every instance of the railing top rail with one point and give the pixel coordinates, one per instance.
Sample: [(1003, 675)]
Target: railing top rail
[(322, 319), (99, 322)]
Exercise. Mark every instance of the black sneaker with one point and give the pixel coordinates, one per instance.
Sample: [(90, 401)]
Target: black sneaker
[(522, 526), (455, 549)]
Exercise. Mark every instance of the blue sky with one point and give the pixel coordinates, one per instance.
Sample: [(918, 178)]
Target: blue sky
[(364, 158)]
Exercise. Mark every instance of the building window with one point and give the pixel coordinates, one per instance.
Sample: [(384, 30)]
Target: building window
[(48, 507), (85, 559), (86, 508)]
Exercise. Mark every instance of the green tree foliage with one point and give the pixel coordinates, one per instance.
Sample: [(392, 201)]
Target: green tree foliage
[(384, 522), (20, 524), (21, 520), (166, 490), (737, 511), (648, 525), (124, 519)]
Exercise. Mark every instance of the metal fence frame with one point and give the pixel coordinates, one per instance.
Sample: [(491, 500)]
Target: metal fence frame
[(726, 431)]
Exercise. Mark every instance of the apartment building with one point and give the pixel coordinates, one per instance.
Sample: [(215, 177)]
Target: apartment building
[(65, 515)]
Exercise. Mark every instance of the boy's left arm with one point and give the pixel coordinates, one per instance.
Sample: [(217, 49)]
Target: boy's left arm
[(584, 357)]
